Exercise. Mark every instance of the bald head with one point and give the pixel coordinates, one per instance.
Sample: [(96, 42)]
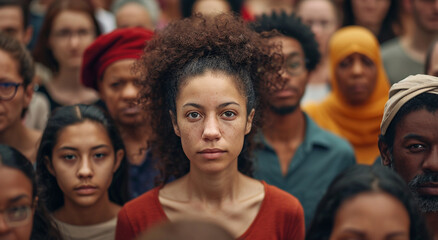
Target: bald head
[(133, 15)]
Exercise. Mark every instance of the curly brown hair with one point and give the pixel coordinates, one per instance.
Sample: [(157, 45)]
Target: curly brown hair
[(188, 48)]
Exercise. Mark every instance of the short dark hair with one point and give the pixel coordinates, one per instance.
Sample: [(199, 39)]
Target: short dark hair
[(362, 179), (60, 119), (21, 55), (291, 26), (428, 101), (187, 6), (43, 225), (23, 5), (429, 56)]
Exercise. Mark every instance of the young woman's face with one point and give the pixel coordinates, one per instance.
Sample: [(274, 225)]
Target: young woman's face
[(72, 32), (377, 216), (212, 121), (357, 76), (83, 163), (321, 17), (370, 12), (16, 205)]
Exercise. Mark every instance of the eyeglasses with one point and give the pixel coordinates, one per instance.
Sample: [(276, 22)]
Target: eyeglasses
[(17, 216), (66, 34), (8, 90), (294, 64)]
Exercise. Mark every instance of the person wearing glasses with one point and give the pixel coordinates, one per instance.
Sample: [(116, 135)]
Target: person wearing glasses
[(295, 154), (69, 28), (354, 108), (16, 89), (22, 215)]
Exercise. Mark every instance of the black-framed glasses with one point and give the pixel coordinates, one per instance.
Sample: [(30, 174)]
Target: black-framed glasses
[(8, 90), (17, 216), (294, 64)]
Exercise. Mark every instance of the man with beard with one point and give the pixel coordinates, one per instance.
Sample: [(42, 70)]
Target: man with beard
[(295, 154), (409, 140)]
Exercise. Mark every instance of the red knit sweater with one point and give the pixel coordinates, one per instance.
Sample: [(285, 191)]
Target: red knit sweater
[(280, 216)]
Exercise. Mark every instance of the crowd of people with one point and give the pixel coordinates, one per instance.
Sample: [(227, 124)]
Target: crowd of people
[(218, 119)]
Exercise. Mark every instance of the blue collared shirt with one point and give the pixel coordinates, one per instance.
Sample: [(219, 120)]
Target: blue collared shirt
[(317, 161)]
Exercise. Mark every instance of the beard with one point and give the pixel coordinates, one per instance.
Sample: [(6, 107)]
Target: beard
[(426, 203), (283, 110)]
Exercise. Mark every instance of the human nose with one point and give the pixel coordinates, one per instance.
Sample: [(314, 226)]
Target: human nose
[(211, 129), (85, 168), (431, 163), (4, 228), (130, 91), (357, 67)]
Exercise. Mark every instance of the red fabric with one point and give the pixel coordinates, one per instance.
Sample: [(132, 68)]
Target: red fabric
[(125, 43), (246, 15), (280, 217)]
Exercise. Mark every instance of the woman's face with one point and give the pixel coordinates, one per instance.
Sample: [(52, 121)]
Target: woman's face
[(16, 205), (119, 89), (212, 121), (72, 32), (357, 76), (83, 163), (377, 216), (321, 17), (370, 12)]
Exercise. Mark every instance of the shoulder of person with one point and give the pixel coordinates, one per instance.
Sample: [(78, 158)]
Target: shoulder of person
[(283, 201), (390, 47)]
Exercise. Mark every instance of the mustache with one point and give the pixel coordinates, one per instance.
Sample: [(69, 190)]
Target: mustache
[(421, 179)]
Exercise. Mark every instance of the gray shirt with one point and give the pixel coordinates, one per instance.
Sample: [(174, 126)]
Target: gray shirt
[(398, 64)]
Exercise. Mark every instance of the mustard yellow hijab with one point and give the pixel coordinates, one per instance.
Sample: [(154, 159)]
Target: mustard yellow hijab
[(360, 125)]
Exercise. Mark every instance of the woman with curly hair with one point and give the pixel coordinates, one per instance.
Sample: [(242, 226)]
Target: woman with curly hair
[(205, 82)]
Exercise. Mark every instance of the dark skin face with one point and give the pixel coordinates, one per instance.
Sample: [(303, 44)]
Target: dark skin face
[(415, 149), (357, 77)]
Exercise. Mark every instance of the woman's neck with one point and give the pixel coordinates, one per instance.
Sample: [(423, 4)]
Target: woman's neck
[(67, 79), (102, 211), (214, 189)]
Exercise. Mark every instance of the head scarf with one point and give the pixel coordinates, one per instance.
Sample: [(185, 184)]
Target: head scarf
[(403, 91), (125, 43), (360, 125)]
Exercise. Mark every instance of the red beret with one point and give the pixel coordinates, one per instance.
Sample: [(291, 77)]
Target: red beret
[(125, 43)]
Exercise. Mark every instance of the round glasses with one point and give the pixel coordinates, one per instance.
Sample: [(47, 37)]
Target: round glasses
[(294, 64), (8, 90), (17, 216)]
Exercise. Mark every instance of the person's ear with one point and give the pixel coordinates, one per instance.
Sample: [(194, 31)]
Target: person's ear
[(174, 124), (28, 35), (28, 93), (384, 153), (49, 166), (120, 154), (249, 121)]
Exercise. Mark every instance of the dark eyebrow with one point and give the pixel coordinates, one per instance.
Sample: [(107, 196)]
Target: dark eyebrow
[(361, 234), (413, 136), (227, 104), (67, 148), (93, 148), (18, 198), (220, 106), (100, 146), (293, 54), (192, 105), (395, 234)]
